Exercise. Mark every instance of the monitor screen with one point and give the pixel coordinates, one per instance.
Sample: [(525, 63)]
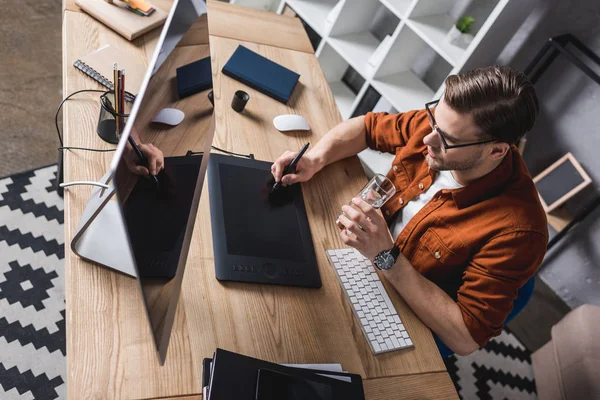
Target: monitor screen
[(159, 213)]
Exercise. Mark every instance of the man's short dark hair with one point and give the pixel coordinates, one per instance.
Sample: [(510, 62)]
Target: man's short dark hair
[(501, 100)]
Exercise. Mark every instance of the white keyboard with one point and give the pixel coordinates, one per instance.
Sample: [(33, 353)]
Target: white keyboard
[(372, 306)]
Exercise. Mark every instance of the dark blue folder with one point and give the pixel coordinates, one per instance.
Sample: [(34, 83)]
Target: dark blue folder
[(261, 74)]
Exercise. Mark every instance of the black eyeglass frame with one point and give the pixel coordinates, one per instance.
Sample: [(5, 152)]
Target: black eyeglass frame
[(435, 127)]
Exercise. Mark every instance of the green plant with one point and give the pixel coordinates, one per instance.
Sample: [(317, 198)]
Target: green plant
[(464, 24)]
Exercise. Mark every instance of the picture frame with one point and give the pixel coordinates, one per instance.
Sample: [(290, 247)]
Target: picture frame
[(555, 193)]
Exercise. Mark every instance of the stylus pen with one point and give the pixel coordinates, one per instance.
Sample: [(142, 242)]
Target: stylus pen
[(143, 160), (291, 167)]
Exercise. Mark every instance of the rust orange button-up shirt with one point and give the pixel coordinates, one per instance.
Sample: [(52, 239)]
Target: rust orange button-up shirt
[(479, 243)]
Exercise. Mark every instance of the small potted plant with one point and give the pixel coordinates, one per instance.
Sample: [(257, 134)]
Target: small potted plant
[(460, 33)]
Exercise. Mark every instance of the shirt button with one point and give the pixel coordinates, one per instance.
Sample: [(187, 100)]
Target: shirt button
[(421, 186), (395, 168), (401, 200), (437, 255)]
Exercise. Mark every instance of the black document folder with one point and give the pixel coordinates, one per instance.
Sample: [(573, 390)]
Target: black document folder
[(235, 376), (261, 74)]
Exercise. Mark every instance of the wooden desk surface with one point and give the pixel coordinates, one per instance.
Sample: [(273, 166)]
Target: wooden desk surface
[(110, 350)]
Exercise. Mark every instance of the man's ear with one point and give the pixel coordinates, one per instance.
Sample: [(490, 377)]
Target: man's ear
[(498, 150)]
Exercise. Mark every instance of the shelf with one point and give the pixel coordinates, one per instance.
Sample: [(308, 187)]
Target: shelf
[(356, 49), (433, 29), (344, 98), (398, 7), (314, 12), (404, 90)]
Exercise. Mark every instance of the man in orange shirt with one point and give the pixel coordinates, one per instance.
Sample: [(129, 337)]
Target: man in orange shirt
[(465, 229)]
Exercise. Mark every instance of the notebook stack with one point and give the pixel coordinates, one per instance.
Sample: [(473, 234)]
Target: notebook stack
[(230, 375)]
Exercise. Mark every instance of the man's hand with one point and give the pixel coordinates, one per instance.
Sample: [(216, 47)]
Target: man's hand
[(365, 229), (306, 167), (155, 157)]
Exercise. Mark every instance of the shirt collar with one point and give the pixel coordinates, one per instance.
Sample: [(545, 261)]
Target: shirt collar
[(489, 185)]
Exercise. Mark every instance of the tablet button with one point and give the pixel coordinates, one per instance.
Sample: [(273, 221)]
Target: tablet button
[(270, 270)]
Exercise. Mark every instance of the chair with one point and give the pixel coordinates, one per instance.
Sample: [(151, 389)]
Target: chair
[(523, 297)]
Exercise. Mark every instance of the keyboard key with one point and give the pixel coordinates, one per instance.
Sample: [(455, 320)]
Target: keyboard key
[(371, 336), (360, 314), (353, 300), (389, 344), (376, 347), (395, 342), (397, 318), (383, 347), (409, 342), (405, 334)]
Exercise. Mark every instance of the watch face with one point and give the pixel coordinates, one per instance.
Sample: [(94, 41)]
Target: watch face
[(384, 260)]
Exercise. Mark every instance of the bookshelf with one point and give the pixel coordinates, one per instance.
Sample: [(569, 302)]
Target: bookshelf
[(399, 48)]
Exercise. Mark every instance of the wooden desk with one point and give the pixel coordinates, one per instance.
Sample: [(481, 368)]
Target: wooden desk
[(110, 350)]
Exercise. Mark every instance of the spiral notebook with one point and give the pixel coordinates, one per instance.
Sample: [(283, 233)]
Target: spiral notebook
[(98, 65)]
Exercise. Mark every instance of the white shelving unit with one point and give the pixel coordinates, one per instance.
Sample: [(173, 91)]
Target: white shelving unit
[(399, 47)]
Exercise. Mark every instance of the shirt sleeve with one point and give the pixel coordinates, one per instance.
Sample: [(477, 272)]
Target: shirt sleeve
[(492, 279), (386, 132)]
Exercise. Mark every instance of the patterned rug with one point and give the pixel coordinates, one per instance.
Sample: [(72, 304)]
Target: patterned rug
[(501, 370), (32, 295), (32, 307)]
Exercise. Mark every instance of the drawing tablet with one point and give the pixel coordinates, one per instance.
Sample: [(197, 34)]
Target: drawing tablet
[(258, 237)]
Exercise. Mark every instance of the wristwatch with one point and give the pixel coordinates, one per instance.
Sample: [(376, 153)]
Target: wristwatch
[(387, 258)]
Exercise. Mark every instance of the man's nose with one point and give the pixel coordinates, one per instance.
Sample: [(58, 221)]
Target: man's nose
[(432, 139)]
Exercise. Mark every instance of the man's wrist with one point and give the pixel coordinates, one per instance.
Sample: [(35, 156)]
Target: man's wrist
[(319, 160)]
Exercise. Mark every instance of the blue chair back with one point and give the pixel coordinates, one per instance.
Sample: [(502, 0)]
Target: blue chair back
[(523, 297)]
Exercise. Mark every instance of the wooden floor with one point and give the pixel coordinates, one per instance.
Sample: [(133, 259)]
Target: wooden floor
[(29, 138)]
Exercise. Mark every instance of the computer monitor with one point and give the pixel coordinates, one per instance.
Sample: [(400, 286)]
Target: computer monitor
[(132, 225)]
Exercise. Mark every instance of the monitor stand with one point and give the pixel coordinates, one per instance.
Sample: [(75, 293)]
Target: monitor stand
[(101, 235)]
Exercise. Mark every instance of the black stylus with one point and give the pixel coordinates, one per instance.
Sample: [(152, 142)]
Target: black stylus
[(290, 168), (142, 159)]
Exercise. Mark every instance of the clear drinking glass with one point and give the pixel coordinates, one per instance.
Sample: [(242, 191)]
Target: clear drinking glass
[(376, 193)]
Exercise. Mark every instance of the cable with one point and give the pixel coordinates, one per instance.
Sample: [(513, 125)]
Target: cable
[(83, 148), (63, 102), (250, 156), (62, 147)]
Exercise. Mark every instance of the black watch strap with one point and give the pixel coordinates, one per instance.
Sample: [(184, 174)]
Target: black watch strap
[(395, 251)]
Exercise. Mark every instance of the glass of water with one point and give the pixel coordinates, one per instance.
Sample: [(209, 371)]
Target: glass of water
[(376, 193)]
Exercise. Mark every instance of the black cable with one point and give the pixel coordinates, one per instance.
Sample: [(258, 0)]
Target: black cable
[(62, 147), (250, 156), (83, 148), (60, 106)]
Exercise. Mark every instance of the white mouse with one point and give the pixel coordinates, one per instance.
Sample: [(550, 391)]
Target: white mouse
[(169, 116), (289, 122)]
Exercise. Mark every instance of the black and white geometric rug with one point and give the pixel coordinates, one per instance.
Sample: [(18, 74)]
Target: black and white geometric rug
[(32, 295), (501, 370), (32, 307)]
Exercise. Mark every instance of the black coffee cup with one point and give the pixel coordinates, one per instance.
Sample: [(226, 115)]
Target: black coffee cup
[(240, 98)]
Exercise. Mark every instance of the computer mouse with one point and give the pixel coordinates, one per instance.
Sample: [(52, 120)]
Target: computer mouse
[(290, 122), (169, 116)]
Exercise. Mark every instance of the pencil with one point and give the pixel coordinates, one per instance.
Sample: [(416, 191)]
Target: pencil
[(116, 96), (122, 100)]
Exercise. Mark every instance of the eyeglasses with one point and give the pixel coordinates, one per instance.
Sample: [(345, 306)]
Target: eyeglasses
[(434, 127)]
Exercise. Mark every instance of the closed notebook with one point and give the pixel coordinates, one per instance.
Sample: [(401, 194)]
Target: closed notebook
[(98, 65), (261, 74), (194, 77)]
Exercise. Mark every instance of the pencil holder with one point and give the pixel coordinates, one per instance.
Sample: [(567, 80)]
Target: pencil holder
[(107, 126)]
